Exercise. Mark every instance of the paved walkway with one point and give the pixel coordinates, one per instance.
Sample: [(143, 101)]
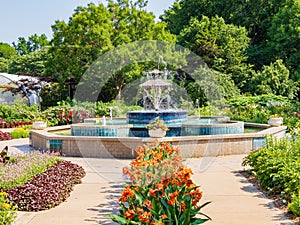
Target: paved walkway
[(235, 201)]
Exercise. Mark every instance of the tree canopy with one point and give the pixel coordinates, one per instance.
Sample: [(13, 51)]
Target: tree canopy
[(7, 51), (93, 30), (33, 43), (32, 63), (272, 26)]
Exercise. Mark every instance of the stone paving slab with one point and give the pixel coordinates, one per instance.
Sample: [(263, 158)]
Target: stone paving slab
[(235, 201)]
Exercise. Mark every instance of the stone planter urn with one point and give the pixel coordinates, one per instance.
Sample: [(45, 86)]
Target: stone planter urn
[(39, 125), (275, 122), (157, 133)]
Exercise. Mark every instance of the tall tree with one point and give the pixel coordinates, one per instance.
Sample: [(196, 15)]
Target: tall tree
[(7, 51), (33, 43), (222, 46), (3, 64), (30, 64), (255, 15), (284, 37), (76, 44), (96, 29), (273, 79)]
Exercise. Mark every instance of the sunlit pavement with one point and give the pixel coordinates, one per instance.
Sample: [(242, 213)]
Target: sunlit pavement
[(235, 201)]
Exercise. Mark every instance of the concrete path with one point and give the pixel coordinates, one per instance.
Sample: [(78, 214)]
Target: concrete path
[(235, 201)]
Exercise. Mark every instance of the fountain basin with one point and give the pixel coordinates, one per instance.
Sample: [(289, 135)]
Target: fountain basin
[(142, 118), (178, 123), (124, 147), (87, 129), (229, 127)]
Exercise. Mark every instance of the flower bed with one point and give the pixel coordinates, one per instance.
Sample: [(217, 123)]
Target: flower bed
[(161, 190), (4, 136), (8, 212), (35, 182), (14, 124), (47, 190)]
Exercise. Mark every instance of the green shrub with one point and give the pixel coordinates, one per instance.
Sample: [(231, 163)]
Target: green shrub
[(18, 112), (277, 167), (294, 205), (258, 109), (19, 133)]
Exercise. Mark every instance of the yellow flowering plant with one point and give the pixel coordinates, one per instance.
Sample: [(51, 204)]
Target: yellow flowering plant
[(275, 116), (161, 190), (7, 212)]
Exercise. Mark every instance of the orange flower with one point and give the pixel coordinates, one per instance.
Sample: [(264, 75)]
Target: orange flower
[(182, 206), (159, 223), (139, 210), (184, 173), (160, 186), (172, 197), (171, 202), (190, 184), (148, 204), (144, 218), (174, 194), (127, 193), (141, 150), (164, 216), (129, 214), (152, 192), (197, 195)]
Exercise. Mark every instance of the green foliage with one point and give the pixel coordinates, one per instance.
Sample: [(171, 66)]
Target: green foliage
[(258, 109), (3, 64), (273, 79), (119, 108), (6, 51), (60, 114), (160, 190), (294, 205), (8, 212), (210, 38), (34, 43), (270, 30), (223, 48), (284, 34), (32, 63), (19, 133), (52, 94), (277, 167), (96, 29), (18, 112)]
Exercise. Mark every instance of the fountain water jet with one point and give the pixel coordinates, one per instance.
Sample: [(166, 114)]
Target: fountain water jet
[(157, 102)]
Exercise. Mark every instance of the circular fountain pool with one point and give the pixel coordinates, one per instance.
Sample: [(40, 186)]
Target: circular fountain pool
[(178, 123)]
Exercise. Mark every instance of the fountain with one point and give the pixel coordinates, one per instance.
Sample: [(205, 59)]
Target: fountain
[(196, 137), (157, 102)]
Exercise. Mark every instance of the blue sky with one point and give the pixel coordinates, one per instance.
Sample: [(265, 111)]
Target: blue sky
[(22, 18)]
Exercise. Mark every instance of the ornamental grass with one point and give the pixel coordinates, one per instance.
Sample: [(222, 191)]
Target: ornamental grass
[(160, 190)]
